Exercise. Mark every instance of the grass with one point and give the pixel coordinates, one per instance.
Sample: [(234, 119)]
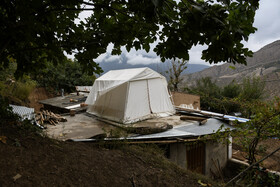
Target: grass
[(17, 91)]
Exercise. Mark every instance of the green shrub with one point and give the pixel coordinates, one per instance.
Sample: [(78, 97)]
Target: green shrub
[(210, 94), (6, 113), (231, 98), (18, 90), (21, 89), (231, 90), (205, 86), (13, 89), (252, 89), (65, 76)]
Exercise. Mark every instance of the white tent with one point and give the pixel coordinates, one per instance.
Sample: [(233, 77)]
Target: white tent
[(130, 95)]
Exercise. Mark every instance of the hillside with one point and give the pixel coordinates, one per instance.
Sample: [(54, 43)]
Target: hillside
[(265, 64)]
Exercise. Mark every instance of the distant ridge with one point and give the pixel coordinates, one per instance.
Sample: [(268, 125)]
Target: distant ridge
[(160, 67), (265, 64)]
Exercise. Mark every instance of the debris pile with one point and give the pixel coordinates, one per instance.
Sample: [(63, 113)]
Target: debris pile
[(49, 117)]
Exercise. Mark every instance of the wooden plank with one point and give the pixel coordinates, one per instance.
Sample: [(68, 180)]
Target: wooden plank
[(192, 118), (195, 154)]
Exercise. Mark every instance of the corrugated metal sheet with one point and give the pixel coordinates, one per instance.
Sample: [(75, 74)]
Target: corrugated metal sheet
[(23, 112), (214, 115), (188, 129), (228, 117)]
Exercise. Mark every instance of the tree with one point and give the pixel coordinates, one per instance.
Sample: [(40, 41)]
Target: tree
[(230, 98), (210, 94), (175, 72), (65, 76), (36, 31), (264, 124), (232, 90), (252, 89)]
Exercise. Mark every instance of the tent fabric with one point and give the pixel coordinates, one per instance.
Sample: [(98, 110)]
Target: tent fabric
[(130, 95)]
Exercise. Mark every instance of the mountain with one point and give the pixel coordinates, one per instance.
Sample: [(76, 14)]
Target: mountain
[(265, 64), (159, 66)]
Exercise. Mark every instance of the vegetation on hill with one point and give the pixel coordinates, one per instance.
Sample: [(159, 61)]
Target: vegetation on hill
[(264, 125), (16, 91), (265, 64), (65, 76), (230, 98)]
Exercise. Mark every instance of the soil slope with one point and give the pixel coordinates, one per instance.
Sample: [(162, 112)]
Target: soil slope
[(32, 160)]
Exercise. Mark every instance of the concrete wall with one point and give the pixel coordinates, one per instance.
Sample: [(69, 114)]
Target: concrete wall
[(188, 99), (178, 154), (216, 156)]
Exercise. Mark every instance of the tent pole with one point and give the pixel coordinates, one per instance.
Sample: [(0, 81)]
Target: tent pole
[(149, 96)]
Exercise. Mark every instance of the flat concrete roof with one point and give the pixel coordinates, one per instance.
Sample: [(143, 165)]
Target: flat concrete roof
[(85, 126), (79, 126)]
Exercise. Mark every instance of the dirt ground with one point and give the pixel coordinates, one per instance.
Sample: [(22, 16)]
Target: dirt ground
[(36, 95), (272, 163), (32, 160)]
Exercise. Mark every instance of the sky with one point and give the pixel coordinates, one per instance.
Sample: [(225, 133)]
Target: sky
[(266, 21)]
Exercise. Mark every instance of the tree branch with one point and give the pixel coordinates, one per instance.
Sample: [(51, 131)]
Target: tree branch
[(237, 176), (107, 7)]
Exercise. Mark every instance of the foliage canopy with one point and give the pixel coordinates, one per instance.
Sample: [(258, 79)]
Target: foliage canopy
[(36, 31)]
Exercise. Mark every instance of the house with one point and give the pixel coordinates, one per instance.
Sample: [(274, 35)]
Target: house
[(184, 146), (139, 98), (130, 95)]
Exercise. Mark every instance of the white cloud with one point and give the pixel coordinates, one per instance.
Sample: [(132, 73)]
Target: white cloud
[(195, 54), (133, 58), (101, 57), (112, 58), (267, 23)]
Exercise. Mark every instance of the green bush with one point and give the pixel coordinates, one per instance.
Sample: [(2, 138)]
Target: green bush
[(6, 113), (205, 86), (17, 91), (231, 90), (210, 94), (231, 98), (21, 89)]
